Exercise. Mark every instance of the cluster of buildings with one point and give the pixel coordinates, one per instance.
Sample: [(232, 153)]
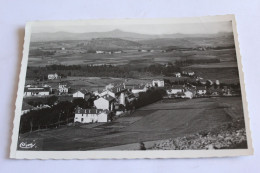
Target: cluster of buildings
[(114, 97), (45, 90), (111, 99), (190, 91)]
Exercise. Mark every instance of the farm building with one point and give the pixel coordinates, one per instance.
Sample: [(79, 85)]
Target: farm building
[(139, 88), (91, 115), (201, 90), (53, 76), (105, 102), (34, 91), (158, 83)]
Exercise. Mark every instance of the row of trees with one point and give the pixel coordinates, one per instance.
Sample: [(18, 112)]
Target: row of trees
[(59, 114), (41, 73), (151, 96), (38, 52), (187, 62)]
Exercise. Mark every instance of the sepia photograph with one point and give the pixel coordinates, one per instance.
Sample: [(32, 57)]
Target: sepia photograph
[(131, 85)]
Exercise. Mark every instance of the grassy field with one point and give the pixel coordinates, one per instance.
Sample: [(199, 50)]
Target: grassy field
[(132, 58), (161, 120)]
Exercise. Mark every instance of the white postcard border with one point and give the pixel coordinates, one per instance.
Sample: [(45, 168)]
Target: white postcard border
[(149, 154)]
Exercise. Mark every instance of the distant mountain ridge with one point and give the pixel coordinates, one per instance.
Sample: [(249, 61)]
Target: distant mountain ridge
[(63, 36)]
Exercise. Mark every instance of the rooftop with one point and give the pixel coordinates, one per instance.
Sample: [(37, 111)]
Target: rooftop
[(108, 97)]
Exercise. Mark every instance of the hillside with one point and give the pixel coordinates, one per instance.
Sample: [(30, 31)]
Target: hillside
[(217, 40), (112, 44), (65, 36)]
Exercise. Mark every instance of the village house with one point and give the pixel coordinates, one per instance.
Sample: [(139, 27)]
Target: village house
[(84, 94), (115, 92), (63, 89), (188, 94), (105, 102), (37, 91), (177, 74), (91, 115), (53, 76), (175, 89), (139, 88), (158, 83), (201, 90)]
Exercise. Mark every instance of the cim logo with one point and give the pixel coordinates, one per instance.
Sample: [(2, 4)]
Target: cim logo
[(26, 145), (30, 144)]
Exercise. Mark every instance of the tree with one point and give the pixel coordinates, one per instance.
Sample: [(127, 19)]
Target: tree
[(51, 100)]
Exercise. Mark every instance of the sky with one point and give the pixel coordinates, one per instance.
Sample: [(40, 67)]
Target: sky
[(183, 28)]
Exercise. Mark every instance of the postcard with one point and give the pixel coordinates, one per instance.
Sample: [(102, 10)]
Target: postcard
[(131, 88)]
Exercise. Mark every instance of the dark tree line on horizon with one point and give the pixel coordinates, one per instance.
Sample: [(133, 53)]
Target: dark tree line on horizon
[(41, 73)]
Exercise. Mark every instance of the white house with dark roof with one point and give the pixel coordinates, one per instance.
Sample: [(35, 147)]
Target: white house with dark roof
[(91, 115), (80, 94), (105, 102)]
